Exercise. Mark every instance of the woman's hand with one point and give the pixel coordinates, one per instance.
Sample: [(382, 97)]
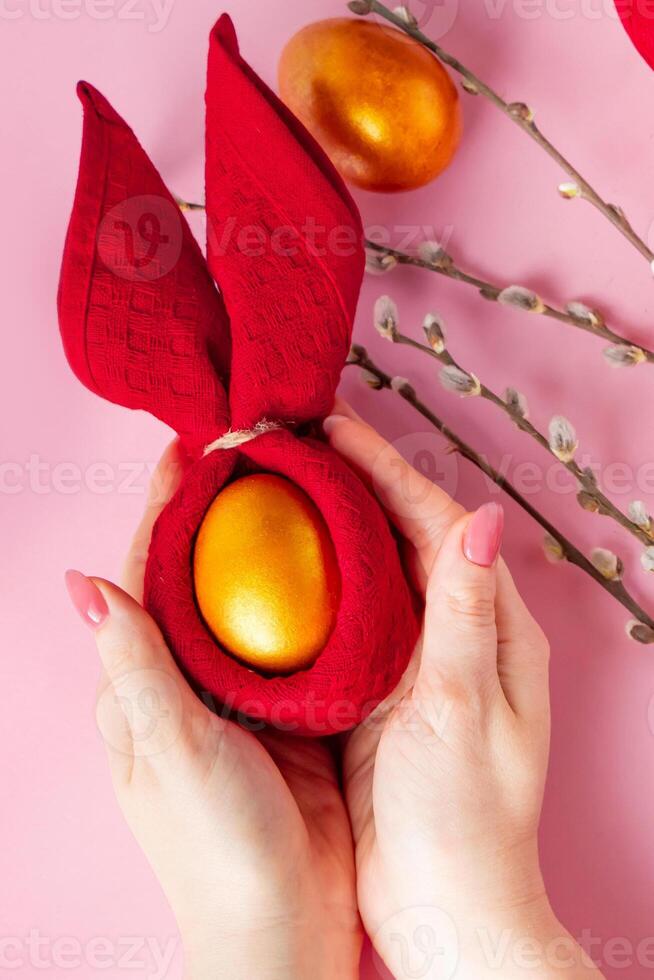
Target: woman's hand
[(247, 834), (445, 781)]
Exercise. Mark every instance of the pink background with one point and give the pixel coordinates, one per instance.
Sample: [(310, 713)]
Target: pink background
[(69, 865)]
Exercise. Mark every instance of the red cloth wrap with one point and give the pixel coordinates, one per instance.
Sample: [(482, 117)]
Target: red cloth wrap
[(637, 18), (144, 326)]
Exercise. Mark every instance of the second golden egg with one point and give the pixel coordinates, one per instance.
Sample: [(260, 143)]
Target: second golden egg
[(381, 106)]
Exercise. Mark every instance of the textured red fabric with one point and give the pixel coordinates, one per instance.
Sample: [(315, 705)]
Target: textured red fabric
[(637, 17), (142, 322), (144, 326), (292, 311)]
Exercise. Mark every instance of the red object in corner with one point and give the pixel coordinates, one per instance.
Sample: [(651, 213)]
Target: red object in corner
[(638, 21), (144, 326)]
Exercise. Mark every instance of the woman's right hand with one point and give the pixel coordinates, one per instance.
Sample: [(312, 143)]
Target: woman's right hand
[(444, 783), (247, 833)]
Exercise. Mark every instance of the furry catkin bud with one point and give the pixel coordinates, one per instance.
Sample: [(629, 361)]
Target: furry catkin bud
[(569, 189), (639, 515), (434, 255), (371, 379), (434, 332), (460, 382), (647, 559), (580, 311), (563, 439), (386, 317), (607, 564), (405, 14), (553, 549), (469, 87), (624, 355), (379, 263), (517, 402), (522, 299)]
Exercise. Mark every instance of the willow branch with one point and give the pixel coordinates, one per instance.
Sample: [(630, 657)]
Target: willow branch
[(518, 113), (594, 498), (360, 357), (590, 321), (188, 205), (623, 352)]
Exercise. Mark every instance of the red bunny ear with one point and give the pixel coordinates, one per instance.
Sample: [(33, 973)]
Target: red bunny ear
[(141, 320), (285, 245)]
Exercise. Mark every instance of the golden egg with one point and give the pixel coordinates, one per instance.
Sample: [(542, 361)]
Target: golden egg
[(383, 108), (266, 575)]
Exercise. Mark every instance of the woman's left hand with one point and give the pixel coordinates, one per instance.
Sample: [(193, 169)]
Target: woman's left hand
[(445, 779), (247, 834)]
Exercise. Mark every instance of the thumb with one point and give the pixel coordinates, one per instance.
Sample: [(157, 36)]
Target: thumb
[(460, 639), (144, 702)]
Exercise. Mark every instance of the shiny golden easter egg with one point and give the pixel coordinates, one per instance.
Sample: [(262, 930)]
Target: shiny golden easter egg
[(266, 575), (381, 106)]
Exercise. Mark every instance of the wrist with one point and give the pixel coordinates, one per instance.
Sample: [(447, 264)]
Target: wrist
[(257, 954), (526, 943), (489, 920), (278, 948)]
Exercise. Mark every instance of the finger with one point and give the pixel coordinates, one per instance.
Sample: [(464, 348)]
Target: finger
[(144, 703), (163, 485), (460, 641), (523, 653), (115, 730), (420, 509)]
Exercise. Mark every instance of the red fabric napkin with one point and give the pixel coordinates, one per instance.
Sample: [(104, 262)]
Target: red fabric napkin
[(637, 17), (144, 326)]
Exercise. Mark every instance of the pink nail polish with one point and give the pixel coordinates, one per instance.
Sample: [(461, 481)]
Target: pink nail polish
[(483, 536), (331, 421), (87, 599)]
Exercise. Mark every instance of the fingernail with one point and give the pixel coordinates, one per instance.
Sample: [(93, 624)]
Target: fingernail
[(87, 599), (483, 536), (331, 421)]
